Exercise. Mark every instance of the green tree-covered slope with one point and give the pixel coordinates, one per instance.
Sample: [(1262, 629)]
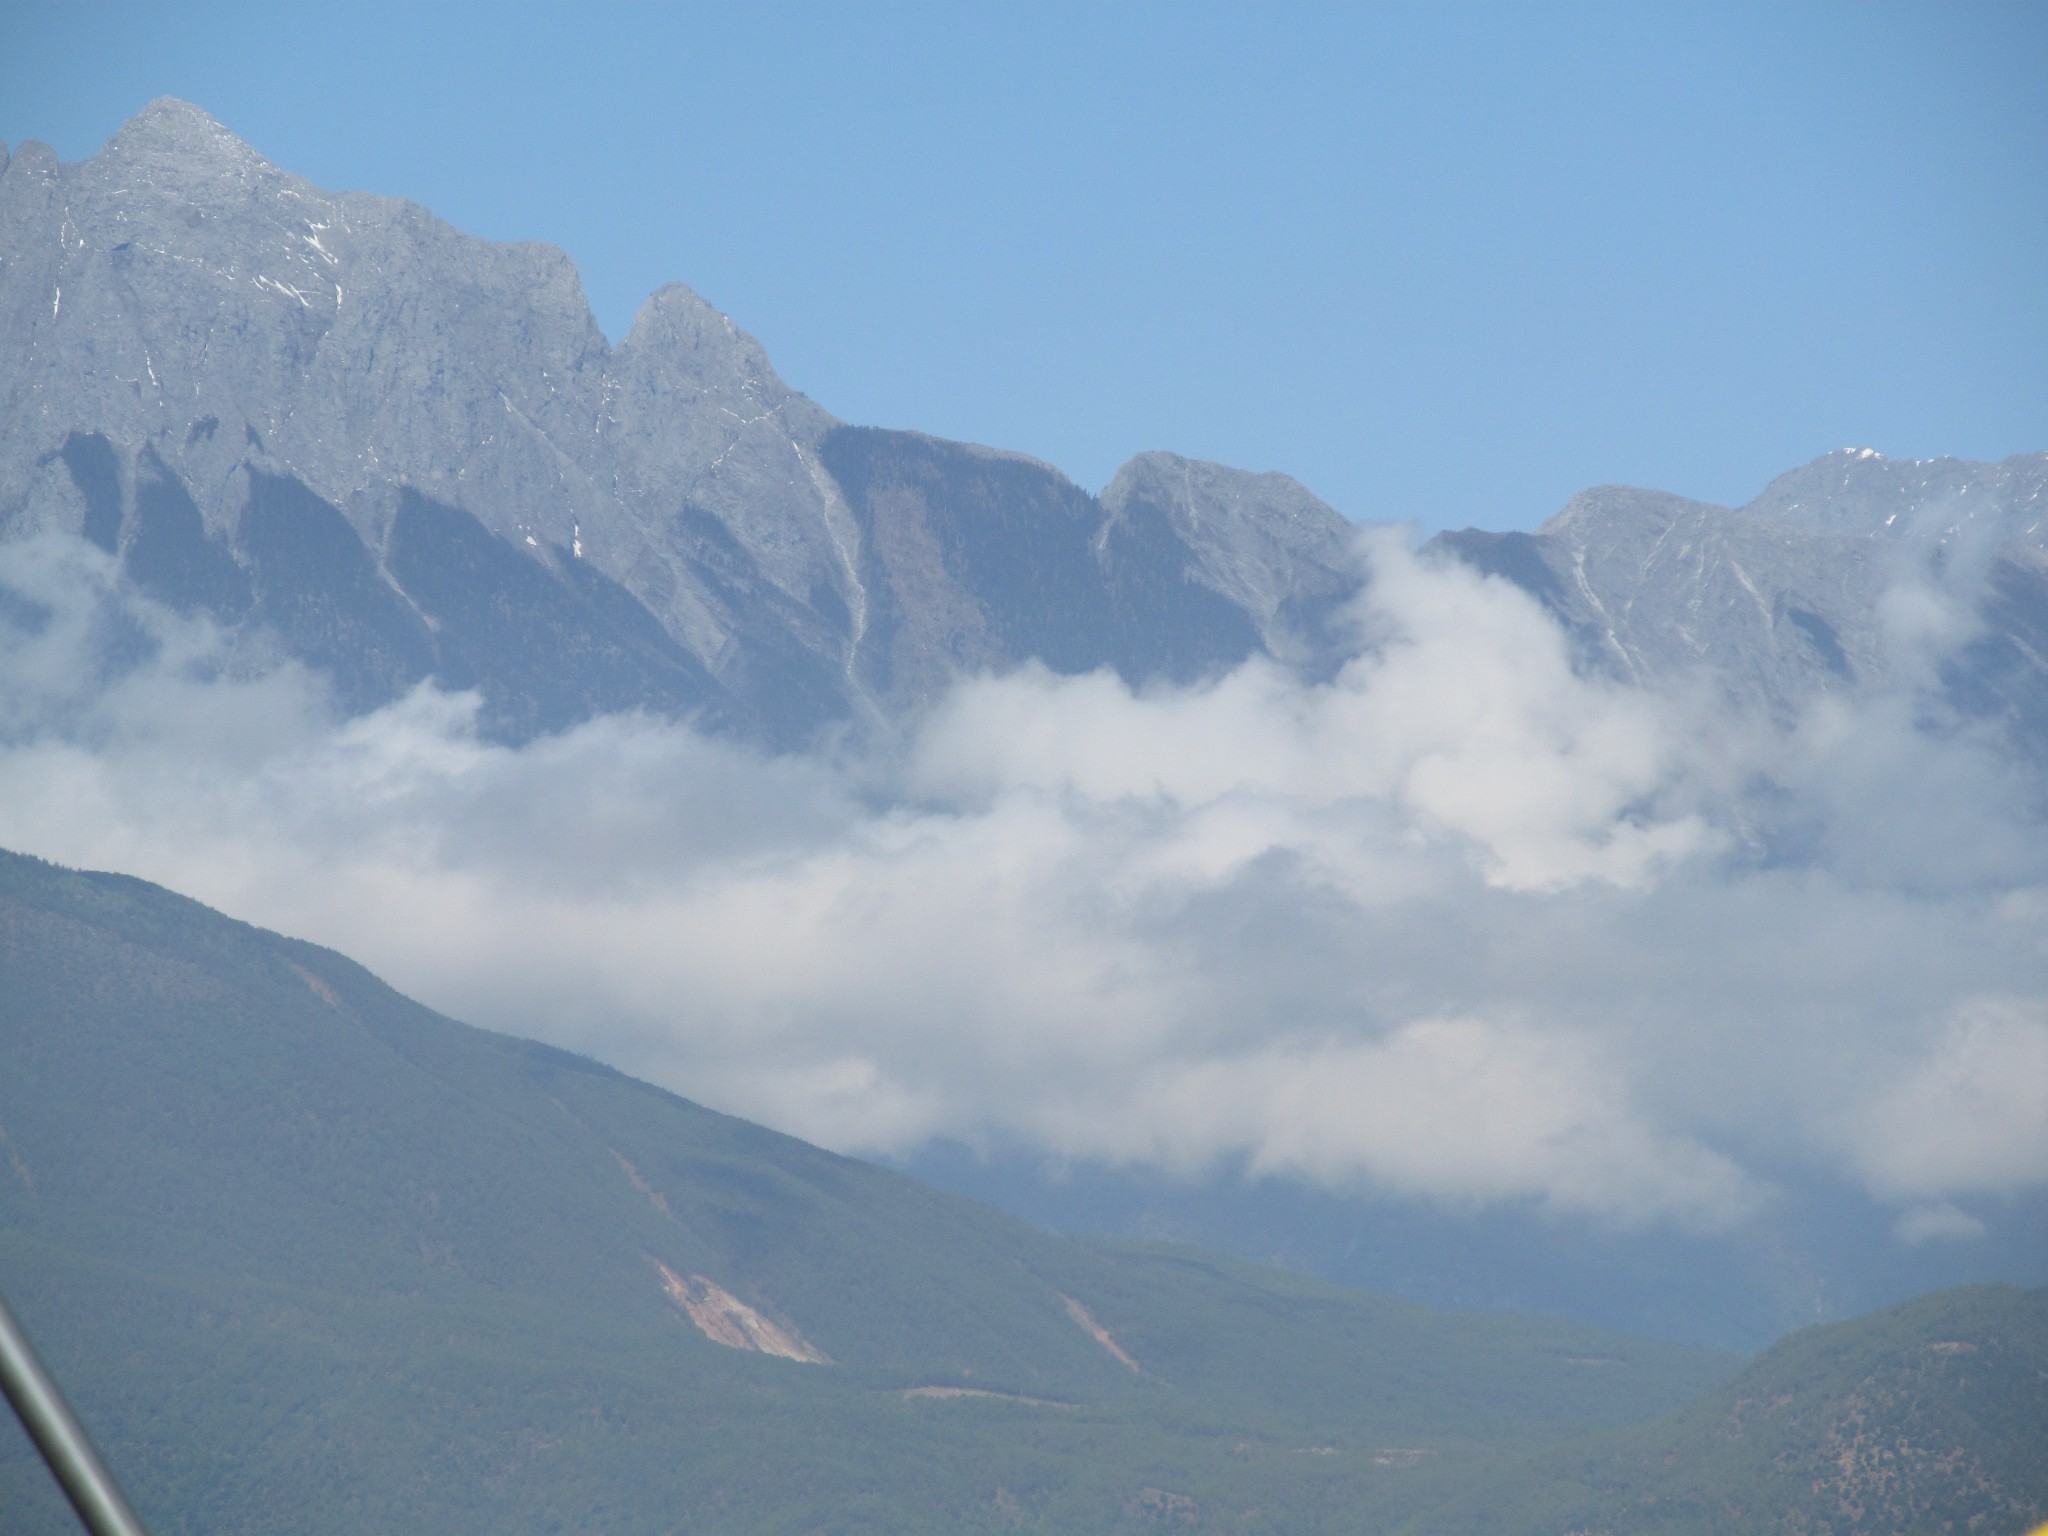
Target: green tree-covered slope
[(312, 1258), (1928, 1417)]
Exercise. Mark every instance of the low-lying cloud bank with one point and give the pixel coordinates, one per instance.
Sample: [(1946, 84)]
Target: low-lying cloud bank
[(1462, 924)]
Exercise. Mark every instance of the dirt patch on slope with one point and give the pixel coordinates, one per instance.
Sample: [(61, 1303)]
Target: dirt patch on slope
[(1086, 1319), (654, 1196), (315, 985), (724, 1319), (1002, 1397)]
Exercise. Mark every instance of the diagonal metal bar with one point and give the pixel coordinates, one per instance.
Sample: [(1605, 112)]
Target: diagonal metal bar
[(57, 1434)]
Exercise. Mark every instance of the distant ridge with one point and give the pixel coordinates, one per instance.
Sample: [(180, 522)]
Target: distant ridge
[(1783, 600)]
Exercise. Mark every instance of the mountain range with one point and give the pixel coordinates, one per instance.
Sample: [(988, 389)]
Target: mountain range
[(403, 452), (316, 1257), (396, 452)]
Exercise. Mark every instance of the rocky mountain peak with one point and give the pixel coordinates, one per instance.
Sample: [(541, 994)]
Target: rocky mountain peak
[(168, 125), (1860, 493), (683, 333), (1603, 508), (1203, 489), (1264, 541), (175, 138), (30, 155)]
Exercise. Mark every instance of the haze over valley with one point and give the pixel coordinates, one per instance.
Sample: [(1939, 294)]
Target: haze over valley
[(1639, 924)]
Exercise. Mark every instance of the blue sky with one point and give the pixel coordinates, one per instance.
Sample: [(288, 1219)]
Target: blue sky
[(1445, 263)]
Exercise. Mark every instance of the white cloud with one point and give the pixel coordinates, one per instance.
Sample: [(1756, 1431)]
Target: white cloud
[(1970, 1114), (1466, 721), (1937, 1223), (1460, 923), (1461, 1109)]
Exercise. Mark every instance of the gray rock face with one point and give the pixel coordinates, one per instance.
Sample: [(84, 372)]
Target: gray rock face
[(188, 328), (1854, 573), (976, 556), (1262, 542), (396, 452)]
